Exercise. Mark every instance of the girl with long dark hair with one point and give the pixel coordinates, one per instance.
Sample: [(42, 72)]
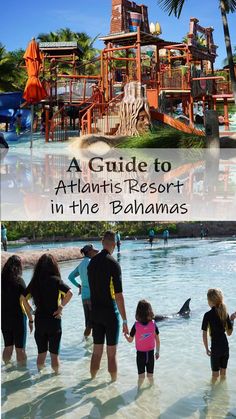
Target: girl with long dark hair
[(13, 310), (50, 295)]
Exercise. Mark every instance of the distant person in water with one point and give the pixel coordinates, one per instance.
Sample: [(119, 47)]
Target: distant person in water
[(13, 290), (151, 236), (166, 236), (4, 237), (18, 124), (82, 270), (217, 321), (118, 242), (202, 231), (146, 335), (50, 295), (104, 274)]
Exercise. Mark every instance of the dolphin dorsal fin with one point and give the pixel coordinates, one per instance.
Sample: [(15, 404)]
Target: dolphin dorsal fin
[(185, 308)]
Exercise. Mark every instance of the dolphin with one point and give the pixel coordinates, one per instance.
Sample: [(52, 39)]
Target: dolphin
[(183, 312)]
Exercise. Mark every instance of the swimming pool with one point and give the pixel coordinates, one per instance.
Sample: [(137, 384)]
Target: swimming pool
[(166, 277)]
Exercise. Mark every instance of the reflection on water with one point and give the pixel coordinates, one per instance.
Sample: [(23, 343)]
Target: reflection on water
[(166, 277), (38, 181)]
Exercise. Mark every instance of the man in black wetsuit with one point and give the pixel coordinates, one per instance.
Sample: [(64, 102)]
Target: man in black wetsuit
[(107, 302)]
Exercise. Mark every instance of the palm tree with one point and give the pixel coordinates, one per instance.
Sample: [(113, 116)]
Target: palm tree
[(66, 35), (6, 70), (225, 62), (84, 41), (48, 37), (226, 6), (12, 76)]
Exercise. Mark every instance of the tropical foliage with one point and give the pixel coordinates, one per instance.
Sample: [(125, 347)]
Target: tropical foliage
[(67, 230), (89, 53), (12, 74), (225, 62)]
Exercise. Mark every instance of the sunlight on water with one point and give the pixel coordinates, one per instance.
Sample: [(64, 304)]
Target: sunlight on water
[(166, 277)]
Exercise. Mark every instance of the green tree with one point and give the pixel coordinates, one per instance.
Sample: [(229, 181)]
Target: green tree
[(19, 72), (84, 41), (12, 75), (6, 71), (48, 37), (226, 6), (225, 62)]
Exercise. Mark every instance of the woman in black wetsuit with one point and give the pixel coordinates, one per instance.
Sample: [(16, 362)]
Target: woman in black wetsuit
[(218, 323), (50, 295), (13, 312)]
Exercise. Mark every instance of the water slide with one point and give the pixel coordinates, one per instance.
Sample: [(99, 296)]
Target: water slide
[(10, 103), (174, 123)]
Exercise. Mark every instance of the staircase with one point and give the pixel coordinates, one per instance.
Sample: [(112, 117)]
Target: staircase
[(108, 123), (102, 118)]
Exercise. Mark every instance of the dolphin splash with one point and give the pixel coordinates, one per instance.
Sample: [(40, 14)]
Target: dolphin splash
[(183, 312)]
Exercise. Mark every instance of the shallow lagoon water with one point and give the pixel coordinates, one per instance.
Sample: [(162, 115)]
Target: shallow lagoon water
[(166, 277)]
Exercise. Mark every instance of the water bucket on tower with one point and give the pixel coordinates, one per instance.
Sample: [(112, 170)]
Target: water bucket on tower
[(135, 20)]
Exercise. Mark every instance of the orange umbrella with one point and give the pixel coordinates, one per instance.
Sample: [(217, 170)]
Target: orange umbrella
[(34, 91)]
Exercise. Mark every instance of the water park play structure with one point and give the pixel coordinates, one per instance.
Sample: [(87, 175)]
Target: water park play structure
[(137, 77)]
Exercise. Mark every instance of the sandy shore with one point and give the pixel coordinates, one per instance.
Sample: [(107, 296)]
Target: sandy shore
[(29, 257)]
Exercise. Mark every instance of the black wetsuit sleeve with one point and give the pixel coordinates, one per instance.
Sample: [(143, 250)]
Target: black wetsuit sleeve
[(116, 278), (63, 287), (229, 324), (133, 331), (156, 330), (205, 322)]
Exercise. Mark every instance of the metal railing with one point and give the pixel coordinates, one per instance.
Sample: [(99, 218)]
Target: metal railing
[(175, 79), (66, 122), (73, 88), (102, 118)]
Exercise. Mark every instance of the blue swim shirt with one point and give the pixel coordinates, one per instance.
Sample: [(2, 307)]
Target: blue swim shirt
[(82, 271)]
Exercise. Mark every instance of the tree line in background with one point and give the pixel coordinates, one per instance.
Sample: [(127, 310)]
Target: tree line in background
[(13, 75), (67, 230)]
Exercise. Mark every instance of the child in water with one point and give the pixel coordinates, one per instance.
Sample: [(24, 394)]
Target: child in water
[(147, 338), (217, 321)]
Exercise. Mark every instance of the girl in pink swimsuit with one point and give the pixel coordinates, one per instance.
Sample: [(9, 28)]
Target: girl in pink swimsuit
[(147, 339)]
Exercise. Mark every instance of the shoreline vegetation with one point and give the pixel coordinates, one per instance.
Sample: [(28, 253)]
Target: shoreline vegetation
[(27, 232), (67, 253)]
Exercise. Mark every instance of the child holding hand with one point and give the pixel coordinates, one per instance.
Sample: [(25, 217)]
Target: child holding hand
[(147, 339)]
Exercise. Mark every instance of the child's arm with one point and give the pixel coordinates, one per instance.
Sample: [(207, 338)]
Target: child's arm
[(230, 324), (28, 310), (157, 355), (233, 316), (128, 338), (205, 342)]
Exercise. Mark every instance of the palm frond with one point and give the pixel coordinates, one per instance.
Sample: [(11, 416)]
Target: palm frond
[(173, 6), (230, 6)]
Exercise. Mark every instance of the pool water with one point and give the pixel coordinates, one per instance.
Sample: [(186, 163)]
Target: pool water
[(166, 276)]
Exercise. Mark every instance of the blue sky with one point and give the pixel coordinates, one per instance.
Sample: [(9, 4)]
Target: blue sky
[(19, 23)]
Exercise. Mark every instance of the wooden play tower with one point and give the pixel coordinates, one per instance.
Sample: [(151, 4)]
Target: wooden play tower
[(172, 73)]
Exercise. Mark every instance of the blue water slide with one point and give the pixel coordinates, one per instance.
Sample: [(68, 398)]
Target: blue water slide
[(11, 100)]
